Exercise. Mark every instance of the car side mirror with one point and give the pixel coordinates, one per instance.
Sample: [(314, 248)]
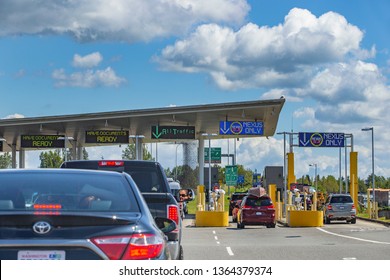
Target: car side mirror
[(165, 225)]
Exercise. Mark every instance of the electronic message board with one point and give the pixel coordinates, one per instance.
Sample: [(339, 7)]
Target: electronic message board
[(107, 136), (42, 141), (241, 128), (173, 132), (321, 139)]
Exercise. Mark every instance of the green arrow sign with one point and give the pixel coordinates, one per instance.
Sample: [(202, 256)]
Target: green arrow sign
[(172, 132), (231, 175)]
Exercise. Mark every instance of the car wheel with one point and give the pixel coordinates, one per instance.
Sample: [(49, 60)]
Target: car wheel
[(181, 253), (353, 221), (327, 220), (238, 225), (234, 220)]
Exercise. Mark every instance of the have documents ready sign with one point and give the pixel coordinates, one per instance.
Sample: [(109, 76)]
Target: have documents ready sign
[(42, 141), (107, 137)]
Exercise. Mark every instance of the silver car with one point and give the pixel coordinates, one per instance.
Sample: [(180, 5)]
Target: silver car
[(339, 207)]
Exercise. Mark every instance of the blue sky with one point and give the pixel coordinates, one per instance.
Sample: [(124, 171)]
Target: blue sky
[(330, 59)]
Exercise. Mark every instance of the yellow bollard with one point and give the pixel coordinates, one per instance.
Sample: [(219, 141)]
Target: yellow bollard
[(314, 203)]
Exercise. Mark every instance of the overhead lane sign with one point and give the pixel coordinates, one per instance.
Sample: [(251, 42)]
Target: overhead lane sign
[(321, 139), (241, 128), (107, 136), (173, 132), (42, 141)]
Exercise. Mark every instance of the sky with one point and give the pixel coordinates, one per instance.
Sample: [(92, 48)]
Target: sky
[(329, 59)]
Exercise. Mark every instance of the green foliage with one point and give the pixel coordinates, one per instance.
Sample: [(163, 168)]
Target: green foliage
[(5, 161), (51, 159), (130, 153)]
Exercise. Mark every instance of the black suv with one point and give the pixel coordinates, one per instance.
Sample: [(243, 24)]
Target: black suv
[(233, 200), (152, 182)]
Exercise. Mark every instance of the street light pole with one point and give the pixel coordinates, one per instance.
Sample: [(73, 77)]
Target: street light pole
[(176, 163), (315, 174), (372, 160)]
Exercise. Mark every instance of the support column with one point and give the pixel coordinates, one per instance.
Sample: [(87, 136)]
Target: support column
[(201, 161), (353, 171), (79, 152), (13, 155), (21, 158), (290, 176), (73, 149), (139, 148)]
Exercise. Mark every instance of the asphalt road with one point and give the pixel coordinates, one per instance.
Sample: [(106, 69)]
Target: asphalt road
[(339, 240)]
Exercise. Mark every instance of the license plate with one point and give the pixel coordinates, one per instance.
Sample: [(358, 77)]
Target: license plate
[(259, 213), (41, 255), (341, 207)]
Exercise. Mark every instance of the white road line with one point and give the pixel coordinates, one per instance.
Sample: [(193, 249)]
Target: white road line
[(216, 237), (229, 250), (349, 258), (213, 231), (218, 242), (350, 237)]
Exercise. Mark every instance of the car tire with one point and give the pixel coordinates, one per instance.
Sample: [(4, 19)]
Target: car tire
[(327, 220), (353, 221), (181, 253)]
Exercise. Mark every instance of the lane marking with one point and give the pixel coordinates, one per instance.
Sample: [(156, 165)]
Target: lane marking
[(213, 231), (355, 238), (349, 258), (216, 237), (229, 250), (218, 242)]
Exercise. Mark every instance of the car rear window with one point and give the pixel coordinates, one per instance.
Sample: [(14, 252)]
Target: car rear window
[(258, 201), (148, 179), (65, 192), (341, 199)]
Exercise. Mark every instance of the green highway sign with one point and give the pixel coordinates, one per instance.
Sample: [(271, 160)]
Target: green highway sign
[(231, 175), (215, 155), (172, 132)]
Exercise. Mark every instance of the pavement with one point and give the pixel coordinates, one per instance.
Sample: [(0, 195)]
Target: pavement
[(189, 221)]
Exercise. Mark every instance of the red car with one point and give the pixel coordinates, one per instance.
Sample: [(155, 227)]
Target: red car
[(256, 210)]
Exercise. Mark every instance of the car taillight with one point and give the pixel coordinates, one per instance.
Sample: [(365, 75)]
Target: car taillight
[(353, 206), (47, 206), (246, 207), (271, 206), (135, 247), (173, 213), (329, 207), (111, 163)]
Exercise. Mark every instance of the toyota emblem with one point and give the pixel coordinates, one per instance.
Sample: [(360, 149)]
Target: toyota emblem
[(41, 227)]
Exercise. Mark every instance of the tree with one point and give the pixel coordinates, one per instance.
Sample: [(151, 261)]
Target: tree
[(51, 159), (130, 153), (5, 161)]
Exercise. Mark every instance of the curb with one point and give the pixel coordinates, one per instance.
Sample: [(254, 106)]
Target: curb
[(375, 221)]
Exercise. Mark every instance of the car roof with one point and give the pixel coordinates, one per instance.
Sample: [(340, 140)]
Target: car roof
[(60, 171)]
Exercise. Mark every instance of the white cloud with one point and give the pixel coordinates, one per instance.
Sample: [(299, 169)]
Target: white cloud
[(284, 56), (14, 116), (87, 61), (123, 20), (88, 78)]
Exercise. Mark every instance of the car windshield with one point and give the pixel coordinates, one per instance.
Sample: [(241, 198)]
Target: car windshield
[(258, 201), (65, 192), (341, 199)]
